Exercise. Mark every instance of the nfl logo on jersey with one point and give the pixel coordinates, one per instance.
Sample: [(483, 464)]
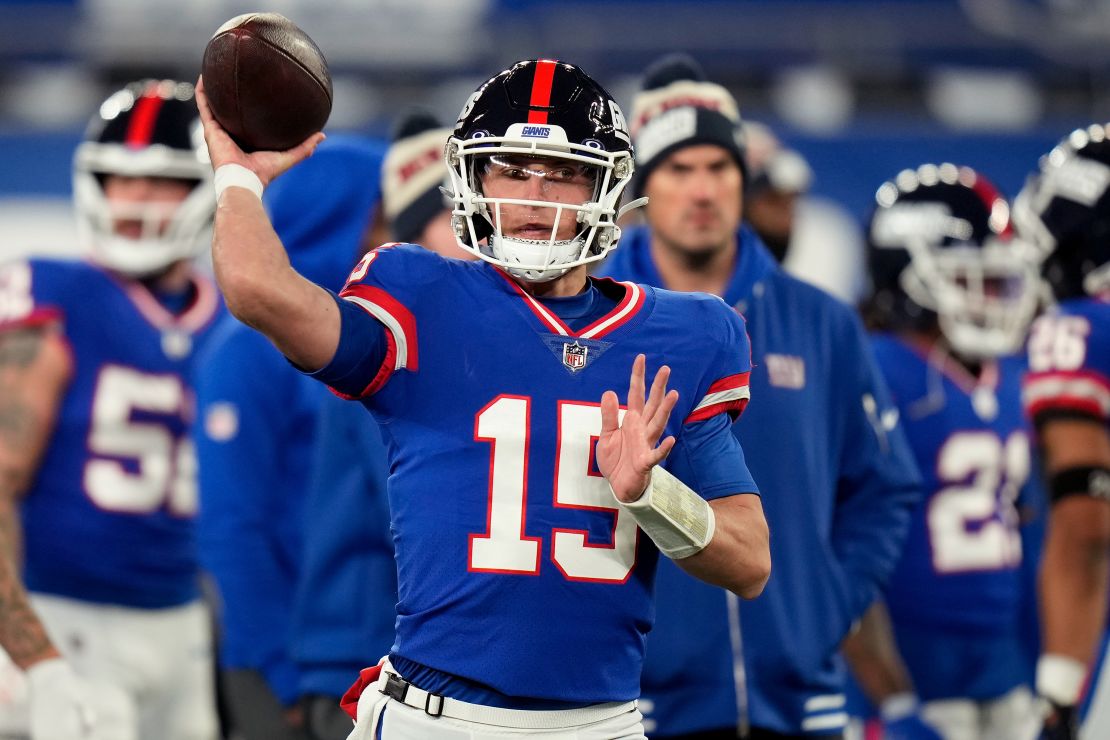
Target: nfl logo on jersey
[(574, 356)]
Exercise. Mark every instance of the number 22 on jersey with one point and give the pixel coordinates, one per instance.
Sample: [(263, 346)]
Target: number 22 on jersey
[(972, 520), (505, 423)]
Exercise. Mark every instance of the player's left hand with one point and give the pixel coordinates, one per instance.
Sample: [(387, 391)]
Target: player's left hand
[(628, 449)]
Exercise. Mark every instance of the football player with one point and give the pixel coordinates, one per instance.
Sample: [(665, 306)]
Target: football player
[(1064, 209), (831, 457), (255, 444), (953, 295), (528, 507), (97, 388)]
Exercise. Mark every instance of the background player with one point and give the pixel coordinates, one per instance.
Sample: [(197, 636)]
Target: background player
[(98, 388), (256, 441), (491, 587), (838, 478), (347, 595), (1065, 210), (953, 295)]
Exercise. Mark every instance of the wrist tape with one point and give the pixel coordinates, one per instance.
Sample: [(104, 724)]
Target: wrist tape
[(236, 176), (1060, 678), (679, 521)]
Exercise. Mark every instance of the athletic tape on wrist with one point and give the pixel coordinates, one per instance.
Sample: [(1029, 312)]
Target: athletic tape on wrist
[(679, 521), (236, 176), (1060, 678)]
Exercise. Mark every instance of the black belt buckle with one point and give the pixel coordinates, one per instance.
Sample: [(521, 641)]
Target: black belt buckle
[(395, 687)]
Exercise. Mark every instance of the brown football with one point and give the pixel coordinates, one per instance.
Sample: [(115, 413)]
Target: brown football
[(267, 82)]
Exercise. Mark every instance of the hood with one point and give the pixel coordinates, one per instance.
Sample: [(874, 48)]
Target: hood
[(322, 207)]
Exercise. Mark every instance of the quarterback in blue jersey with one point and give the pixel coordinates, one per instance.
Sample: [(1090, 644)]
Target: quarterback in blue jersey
[(98, 373), (519, 484), (832, 462), (1064, 209), (255, 444), (953, 296)]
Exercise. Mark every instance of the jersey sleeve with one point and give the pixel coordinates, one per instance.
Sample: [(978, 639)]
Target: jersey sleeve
[(709, 459), (378, 308), (1069, 367), (29, 295), (724, 388)]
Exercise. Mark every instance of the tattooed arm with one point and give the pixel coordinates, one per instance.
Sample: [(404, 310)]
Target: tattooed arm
[(35, 369)]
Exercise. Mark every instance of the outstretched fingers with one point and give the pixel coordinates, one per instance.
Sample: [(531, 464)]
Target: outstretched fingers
[(636, 384), (610, 412)]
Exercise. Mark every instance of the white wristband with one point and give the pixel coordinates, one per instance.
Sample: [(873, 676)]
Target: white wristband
[(236, 176), (899, 706), (679, 521), (1060, 678)]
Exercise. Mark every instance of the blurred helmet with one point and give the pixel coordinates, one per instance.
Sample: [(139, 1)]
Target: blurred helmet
[(540, 108), (147, 129), (1064, 210), (940, 251)]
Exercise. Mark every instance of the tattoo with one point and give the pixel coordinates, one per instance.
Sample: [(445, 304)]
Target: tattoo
[(21, 633)]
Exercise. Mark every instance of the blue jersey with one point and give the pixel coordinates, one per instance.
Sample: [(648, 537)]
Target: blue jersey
[(110, 515), (1069, 362), (838, 481), (516, 568), (960, 577)]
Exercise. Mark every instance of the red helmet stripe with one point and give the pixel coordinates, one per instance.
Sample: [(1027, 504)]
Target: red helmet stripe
[(541, 91), (990, 195), (140, 130)]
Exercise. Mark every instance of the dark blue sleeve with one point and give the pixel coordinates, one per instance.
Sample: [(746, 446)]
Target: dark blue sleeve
[(361, 356), (709, 459), (241, 530), (879, 484)]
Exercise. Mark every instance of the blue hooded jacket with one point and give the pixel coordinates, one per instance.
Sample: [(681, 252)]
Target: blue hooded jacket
[(838, 482), (257, 417)]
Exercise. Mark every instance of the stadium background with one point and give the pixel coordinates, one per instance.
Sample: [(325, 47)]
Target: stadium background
[(862, 88)]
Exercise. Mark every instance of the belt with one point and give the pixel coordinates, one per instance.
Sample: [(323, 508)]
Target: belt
[(435, 705)]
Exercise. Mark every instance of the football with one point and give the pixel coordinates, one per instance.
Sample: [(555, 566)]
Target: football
[(267, 82)]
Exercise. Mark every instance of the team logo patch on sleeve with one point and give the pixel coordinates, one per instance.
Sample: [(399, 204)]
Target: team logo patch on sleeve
[(221, 422)]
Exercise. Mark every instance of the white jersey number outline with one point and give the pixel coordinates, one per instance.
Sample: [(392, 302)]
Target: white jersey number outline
[(503, 547), (1058, 343), (163, 469), (973, 521)]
